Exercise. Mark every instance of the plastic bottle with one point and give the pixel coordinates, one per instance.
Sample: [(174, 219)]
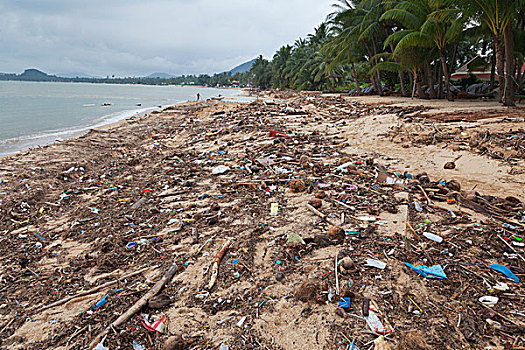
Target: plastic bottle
[(433, 237)]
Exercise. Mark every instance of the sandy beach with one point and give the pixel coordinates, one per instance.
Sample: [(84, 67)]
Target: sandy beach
[(284, 190)]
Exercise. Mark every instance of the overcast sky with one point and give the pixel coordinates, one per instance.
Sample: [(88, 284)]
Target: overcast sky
[(139, 37)]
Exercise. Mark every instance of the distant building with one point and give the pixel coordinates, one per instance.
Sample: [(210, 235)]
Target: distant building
[(477, 66)]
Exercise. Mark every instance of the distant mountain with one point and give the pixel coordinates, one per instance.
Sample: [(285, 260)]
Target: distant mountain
[(243, 68), (35, 75), (161, 76)]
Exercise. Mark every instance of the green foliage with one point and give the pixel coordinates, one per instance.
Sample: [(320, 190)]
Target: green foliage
[(378, 42)]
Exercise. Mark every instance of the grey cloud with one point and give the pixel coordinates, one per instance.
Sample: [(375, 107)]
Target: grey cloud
[(131, 38)]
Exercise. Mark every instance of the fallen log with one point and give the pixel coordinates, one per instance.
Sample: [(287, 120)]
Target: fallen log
[(321, 215), (91, 291), (137, 306)]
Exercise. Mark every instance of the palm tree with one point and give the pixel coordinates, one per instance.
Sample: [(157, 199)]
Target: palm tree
[(371, 32), (411, 59), (497, 15), (280, 58), (356, 28), (376, 8), (343, 55), (344, 48), (261, 72), (425, 26)]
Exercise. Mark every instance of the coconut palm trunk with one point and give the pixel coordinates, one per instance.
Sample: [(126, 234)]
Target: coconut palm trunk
[(500, 65), (492, 71), (414, 82), (356, 81), (508, 98), (440, 82), (430, 80), (373, 76), (445, 73), (399, 71), (377, 72)]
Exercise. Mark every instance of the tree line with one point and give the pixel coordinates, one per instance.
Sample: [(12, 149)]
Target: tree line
[(408, 46), (219, 79)]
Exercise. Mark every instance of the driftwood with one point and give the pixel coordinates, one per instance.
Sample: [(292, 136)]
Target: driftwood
[(137, 306), (216, 262), (91, 291), (321, 215)]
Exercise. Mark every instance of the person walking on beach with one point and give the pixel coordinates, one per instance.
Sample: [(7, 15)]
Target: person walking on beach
[(198, 96)]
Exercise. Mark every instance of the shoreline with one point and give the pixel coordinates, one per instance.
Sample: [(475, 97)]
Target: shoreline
[(104, 122), (81, 130)]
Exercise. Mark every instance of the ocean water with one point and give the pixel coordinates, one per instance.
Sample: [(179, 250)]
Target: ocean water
[(39, 113)]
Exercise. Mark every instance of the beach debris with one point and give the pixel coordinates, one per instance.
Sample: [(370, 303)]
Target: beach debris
[(174, 343), (274, 209), (295, 239), (381, 344), (241, 321), (344, 303), (376, 263), (433, 237), (100, 346), (275, 133), (505, 270), (216, 262), (221, 169), (156, 324), (500, 286), (435, 271), (152, 184), (159, 301), (374, 323), (138, 346), (489, 301), (168, 275)]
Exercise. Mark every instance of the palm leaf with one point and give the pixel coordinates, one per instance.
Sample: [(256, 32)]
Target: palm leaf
[(395, 37), (404, 17), (385, 66), (413, 39)]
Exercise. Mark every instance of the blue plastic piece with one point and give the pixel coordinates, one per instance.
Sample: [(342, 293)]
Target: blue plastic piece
[(505, 270), (101, 302), (344, 303), (435, 271)]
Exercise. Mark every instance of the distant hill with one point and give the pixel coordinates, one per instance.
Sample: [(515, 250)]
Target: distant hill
[(160, 76), (243, 68), (35, 75)]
